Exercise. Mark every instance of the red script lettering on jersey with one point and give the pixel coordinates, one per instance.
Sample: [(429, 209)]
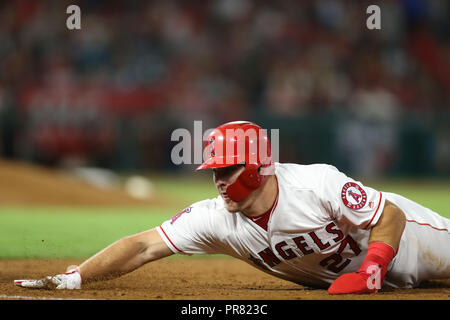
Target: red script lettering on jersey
[(334, 262)]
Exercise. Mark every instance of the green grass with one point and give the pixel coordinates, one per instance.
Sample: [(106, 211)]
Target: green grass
[(61, 232), (69, 232), (185, 189), (430, 194)]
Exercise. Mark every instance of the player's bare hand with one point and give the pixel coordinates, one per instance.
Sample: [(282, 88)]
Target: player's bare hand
[(69, 280)]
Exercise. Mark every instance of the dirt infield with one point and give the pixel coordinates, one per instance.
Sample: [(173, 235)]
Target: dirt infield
[(27, 184), (190, 279)]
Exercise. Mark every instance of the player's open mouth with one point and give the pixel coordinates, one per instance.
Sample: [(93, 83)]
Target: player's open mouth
[(225, 196)]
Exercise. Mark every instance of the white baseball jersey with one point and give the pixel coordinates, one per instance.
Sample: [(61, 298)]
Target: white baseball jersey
[(318, 229)]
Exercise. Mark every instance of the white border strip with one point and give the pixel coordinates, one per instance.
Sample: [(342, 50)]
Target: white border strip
[(4, 296)]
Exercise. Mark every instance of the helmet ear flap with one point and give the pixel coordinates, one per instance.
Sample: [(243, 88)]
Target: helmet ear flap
[(250, 178)]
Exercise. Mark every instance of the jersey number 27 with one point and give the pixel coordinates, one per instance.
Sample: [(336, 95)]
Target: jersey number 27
[(334, 262)]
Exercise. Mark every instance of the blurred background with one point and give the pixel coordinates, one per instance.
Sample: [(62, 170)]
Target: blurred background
[(374, 103)]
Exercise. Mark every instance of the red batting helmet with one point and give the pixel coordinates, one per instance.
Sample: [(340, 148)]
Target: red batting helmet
[(240, 142)]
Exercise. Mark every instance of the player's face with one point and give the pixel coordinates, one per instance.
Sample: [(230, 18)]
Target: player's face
[(223, 177)]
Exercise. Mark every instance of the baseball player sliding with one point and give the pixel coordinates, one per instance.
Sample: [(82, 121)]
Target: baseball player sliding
[(309, 224)]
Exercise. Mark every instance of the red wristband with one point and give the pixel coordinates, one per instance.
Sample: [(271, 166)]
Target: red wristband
[(379, 254)]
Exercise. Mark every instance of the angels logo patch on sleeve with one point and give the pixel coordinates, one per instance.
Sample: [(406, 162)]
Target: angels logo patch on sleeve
[(353, 196), (175, 217)]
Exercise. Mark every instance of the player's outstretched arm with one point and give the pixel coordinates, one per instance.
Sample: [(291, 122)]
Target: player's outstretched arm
[(383, 245), (119, 258)]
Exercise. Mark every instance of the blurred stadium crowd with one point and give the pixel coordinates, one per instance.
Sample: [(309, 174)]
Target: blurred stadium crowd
[(373, 102)]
